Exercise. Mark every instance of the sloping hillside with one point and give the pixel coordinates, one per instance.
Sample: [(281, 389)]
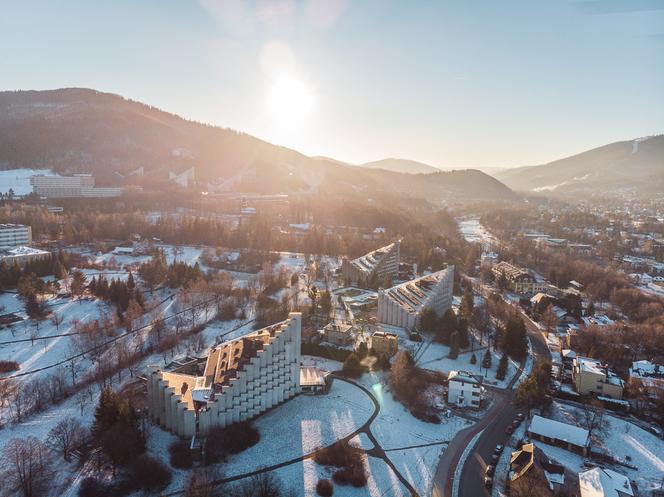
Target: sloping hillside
[(81, 130), (634, 166), (401, 166)]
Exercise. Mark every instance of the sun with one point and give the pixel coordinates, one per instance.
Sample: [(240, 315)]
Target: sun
[(290, 101)]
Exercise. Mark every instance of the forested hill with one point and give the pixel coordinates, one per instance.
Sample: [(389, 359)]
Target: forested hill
[(81, 130)]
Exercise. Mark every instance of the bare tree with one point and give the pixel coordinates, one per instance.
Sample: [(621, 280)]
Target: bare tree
[(549, 319), (57, 320), (201, 483), (6, 392), (594, 419), (66, 436), (26, 467)]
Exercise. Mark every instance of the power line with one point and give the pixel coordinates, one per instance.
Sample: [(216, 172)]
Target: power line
[(115, 339), (61, 335)]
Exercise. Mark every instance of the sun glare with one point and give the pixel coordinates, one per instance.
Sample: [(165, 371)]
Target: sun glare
[(290, 101)]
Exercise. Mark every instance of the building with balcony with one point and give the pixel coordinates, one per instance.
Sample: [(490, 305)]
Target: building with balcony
[(14, 235), (78, 185), (591, 377), (374, 267), (237, 381), (403, 304), (518, 279), (384, 343), (463, 389)]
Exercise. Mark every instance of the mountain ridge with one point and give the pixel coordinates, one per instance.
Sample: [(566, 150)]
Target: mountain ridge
[(82, 130), (616, 168)]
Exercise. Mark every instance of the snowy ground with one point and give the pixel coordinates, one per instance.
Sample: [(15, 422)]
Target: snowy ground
[(435, 357), (301, 479), (623, 440), (473, 231), (398, 432)]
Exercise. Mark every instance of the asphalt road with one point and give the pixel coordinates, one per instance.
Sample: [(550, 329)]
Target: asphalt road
[(472, 475)]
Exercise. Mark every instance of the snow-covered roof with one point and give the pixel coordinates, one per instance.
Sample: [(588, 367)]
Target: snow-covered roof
[(568, 353), (559, 431), (600, 482), (22, 250), (463, 377), (646, 368), (311, 375)]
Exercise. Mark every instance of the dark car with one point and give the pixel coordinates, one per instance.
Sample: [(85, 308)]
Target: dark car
[(488, 481), (490, 469), (509, 430), (494, 458)]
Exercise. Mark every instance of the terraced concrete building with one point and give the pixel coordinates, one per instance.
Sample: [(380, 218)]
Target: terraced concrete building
[(237, 381), (374, 266), (403, 304)]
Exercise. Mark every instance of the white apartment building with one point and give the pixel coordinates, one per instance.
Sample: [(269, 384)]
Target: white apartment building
[(591, 377), (237, 381), (403, 304), (14, 235), (378, 264), (78, 185), (463, 390)]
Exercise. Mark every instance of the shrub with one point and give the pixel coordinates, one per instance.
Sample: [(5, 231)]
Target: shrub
[(349, 461), (8, 366), (352, 367), (324, 488), (354, 475), (230, 440), (150, 473), (180, 455), (92, 487)]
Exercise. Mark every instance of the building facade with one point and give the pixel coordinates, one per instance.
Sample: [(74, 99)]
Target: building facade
[(463, 389), (375, 266), (337, 333), (591, 377), (238, 380), (14, 235), (78, 185), (518, 280), (384, 343), (403, 304)]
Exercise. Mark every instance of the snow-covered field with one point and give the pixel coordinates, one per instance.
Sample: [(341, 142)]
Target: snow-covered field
[(473, 231), (623, 440), (19, 180), (435, 357), (399, 433)]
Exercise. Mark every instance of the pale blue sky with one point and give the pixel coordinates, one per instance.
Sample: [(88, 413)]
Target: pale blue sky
[(452, 83)]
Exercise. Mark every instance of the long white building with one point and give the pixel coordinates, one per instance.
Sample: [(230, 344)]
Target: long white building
[(78, 185), (14, 235), (238, 380), (403, 304), (378, 264)]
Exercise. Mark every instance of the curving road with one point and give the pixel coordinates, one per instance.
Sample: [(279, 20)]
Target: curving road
[(492, 428)]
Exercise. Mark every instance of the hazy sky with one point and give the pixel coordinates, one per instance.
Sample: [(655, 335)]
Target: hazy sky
[(451, 83)]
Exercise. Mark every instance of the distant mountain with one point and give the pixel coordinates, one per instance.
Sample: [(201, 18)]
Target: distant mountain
[(80, 130), (401, 166), (634, 166)]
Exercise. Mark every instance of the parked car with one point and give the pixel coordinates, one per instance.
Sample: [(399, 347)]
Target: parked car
[(494, 458), (490, 469), (509, 430), (520, 416), (488, 481), (499, 448)]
